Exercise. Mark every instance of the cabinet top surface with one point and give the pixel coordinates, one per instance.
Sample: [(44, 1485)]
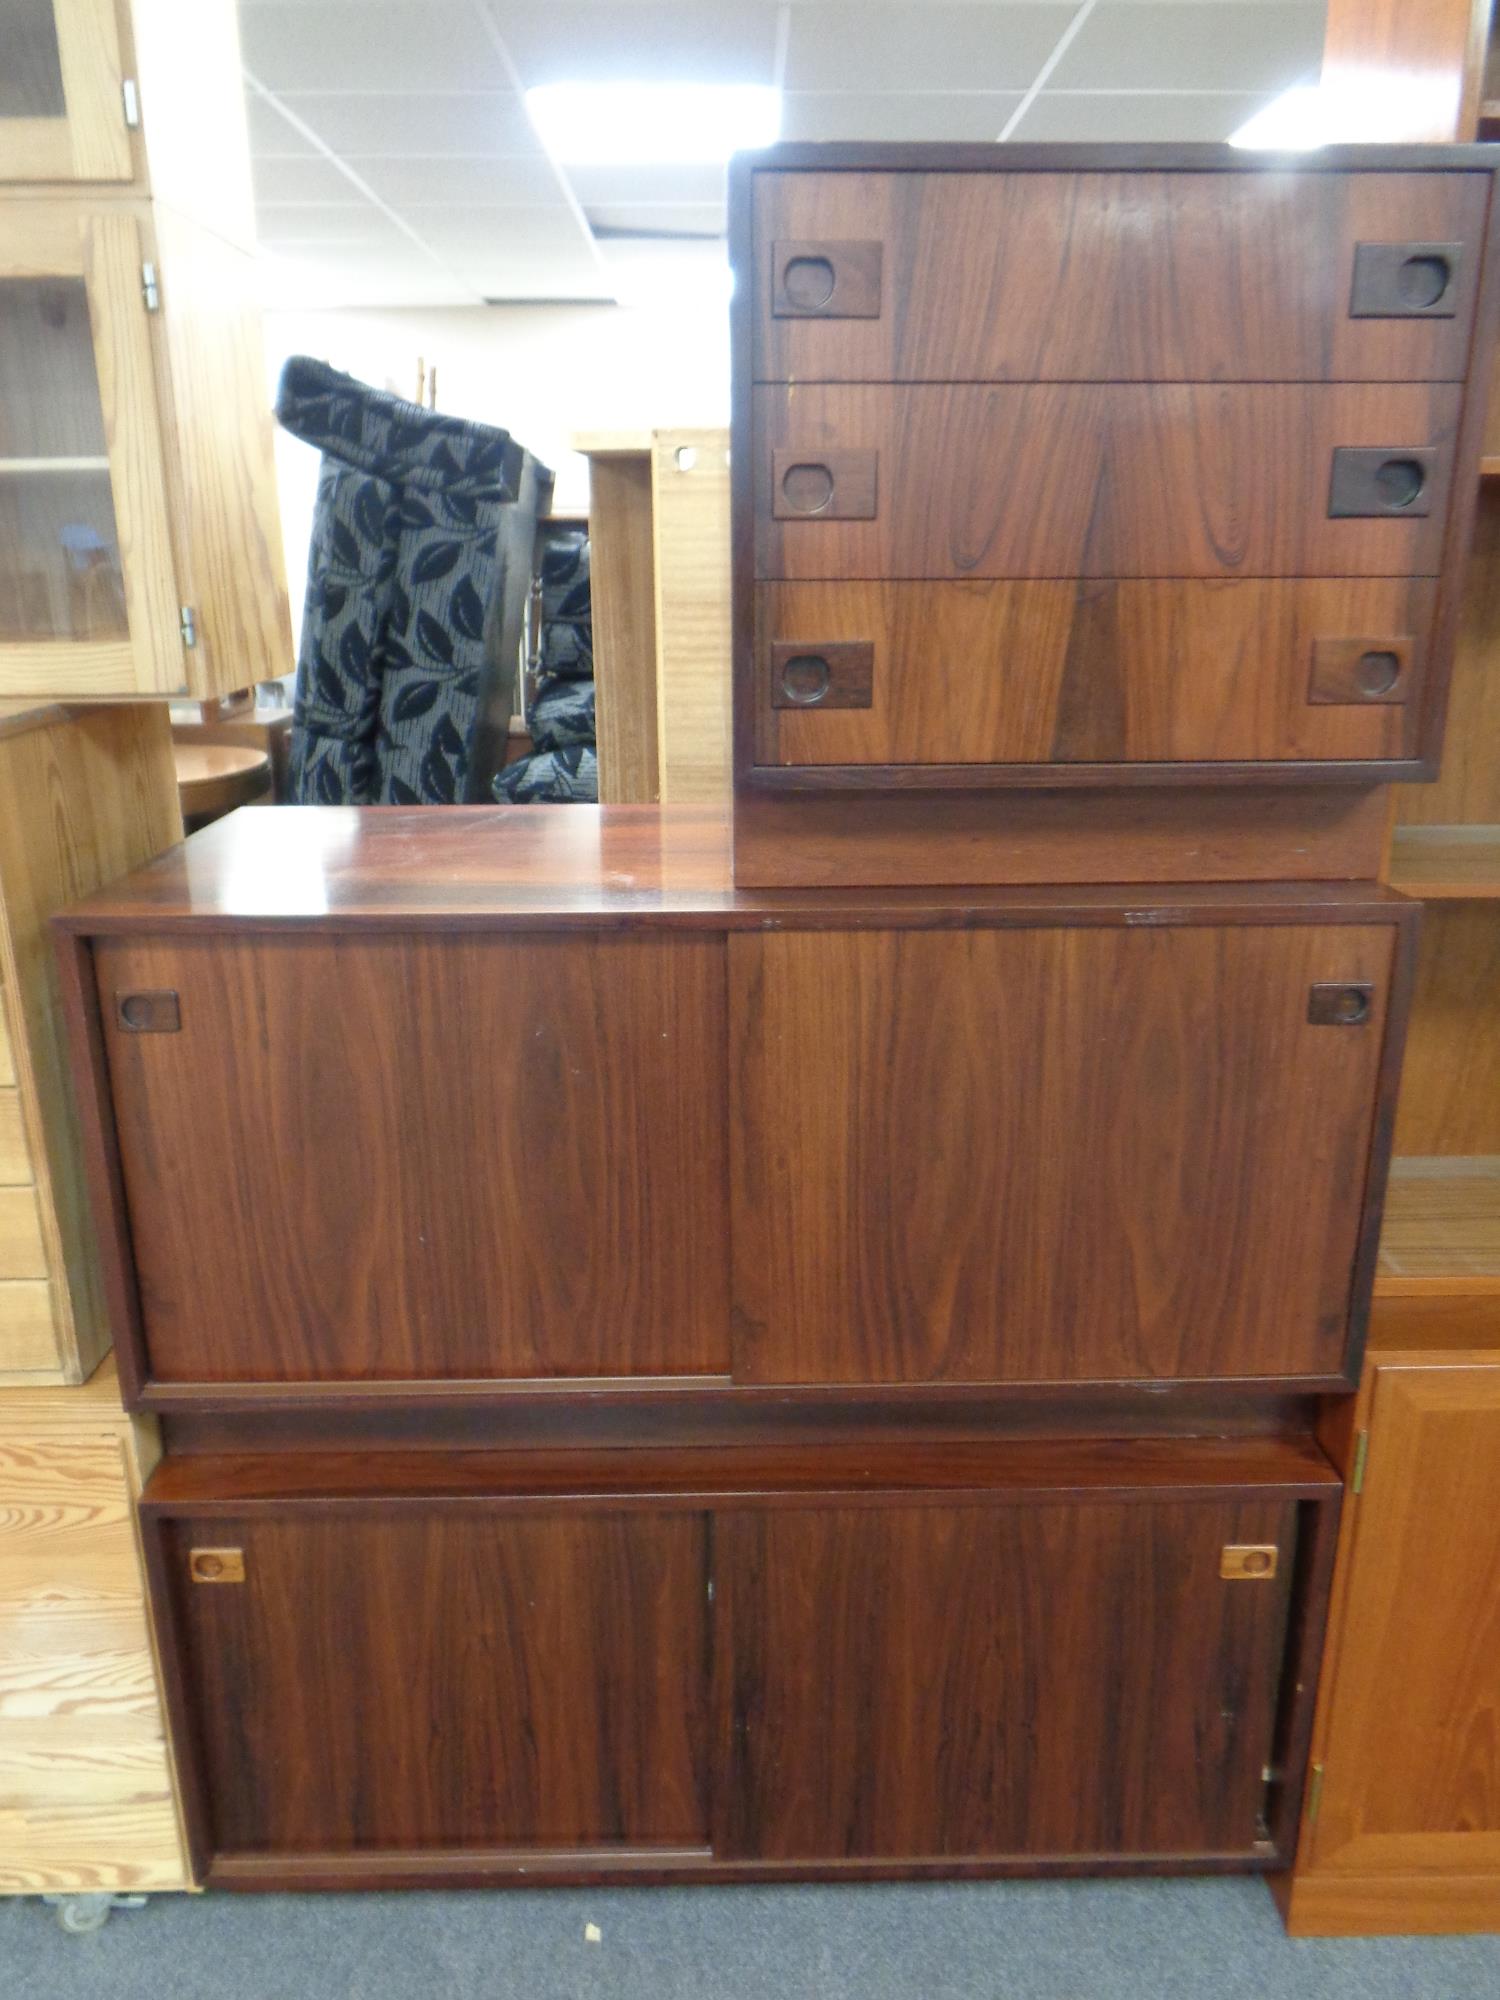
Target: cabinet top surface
[(1105, 157), (549, 867)]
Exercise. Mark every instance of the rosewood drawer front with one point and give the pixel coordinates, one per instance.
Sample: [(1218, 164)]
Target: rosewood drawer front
[(1142, 671), (422, 1156), (697, 1662), (1102, 480), (1054, 1155), (1107, 276)]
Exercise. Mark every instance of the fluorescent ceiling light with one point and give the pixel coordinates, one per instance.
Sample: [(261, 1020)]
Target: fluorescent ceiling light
[(1356, 105), (618, 124)]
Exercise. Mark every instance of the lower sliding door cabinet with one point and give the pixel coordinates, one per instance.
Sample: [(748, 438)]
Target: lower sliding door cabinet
[(812, 1659)]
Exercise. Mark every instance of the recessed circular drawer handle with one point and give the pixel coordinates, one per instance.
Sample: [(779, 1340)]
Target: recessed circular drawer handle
[(1377, 672), (1400, 481), (1332, 1005), (1422, 281), (808, 283), (808, 488), (804, 679)]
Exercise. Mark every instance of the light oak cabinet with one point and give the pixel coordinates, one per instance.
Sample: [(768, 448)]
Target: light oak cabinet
[(63, 112), (139, 539), (1402, 1824)]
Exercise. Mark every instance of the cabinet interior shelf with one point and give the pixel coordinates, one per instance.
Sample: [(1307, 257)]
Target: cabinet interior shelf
[(1442, 1227), (1460, 863), (11, 467)]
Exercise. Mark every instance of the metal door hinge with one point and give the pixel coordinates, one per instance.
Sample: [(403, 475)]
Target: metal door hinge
[(189, 623), (150, 290), (1361, 1459), (132, 103), (1314, 1794)]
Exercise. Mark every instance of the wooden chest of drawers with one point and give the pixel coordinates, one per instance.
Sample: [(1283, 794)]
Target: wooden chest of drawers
[(1087, 467)]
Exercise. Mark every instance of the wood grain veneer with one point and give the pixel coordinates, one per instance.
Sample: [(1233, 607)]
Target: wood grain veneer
[(442, 1158), (1135, 1096), (1113, 275), (1102, 479)]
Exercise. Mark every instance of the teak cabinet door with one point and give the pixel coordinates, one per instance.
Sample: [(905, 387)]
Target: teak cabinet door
[(1056, 1155), (62, 114), (1411, 1786), (421, 1678), (1140, 277), (1098, 479), (88, 593), (1042, 1680), (430, 1155)]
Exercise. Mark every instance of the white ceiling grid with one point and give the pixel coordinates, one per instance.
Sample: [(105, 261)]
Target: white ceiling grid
[(395, 163)]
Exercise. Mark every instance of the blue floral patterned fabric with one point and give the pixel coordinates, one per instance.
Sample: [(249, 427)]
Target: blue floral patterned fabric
[(398, 631), (564, 764)]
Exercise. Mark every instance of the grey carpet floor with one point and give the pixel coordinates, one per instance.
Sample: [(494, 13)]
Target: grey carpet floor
[(1147, 1940)]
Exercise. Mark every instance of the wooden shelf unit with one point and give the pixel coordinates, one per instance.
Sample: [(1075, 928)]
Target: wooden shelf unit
[(1402, 1821), (1442, 1228)]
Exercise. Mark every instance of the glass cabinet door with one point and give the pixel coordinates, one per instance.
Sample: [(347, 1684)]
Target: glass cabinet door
[(88, 599), (62, 114)]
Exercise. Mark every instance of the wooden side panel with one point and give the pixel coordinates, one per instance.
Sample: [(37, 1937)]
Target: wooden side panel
[(425, 1156), (84, 796), (225, 512), (1116, 277), (1034, 672), (1048, 1155), (1450, 1088), (1102, 480), (690, 496), (623, 593), (86, 1798), (1410, 1778), (1429, 60), (448, 1680), (1467, 790), (1046, 1680)]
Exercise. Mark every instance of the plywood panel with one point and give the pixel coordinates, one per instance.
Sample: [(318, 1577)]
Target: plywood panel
[(22, 1253), (623, 590), (1450, 1083), (690, 498), (1468, 787)]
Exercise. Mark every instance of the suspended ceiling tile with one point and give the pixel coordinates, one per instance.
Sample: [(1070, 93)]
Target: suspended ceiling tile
[(1180, 45), (427, 125), (922, 47), (481, 183), (1143, 115), (889, 115), (378, 45)]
